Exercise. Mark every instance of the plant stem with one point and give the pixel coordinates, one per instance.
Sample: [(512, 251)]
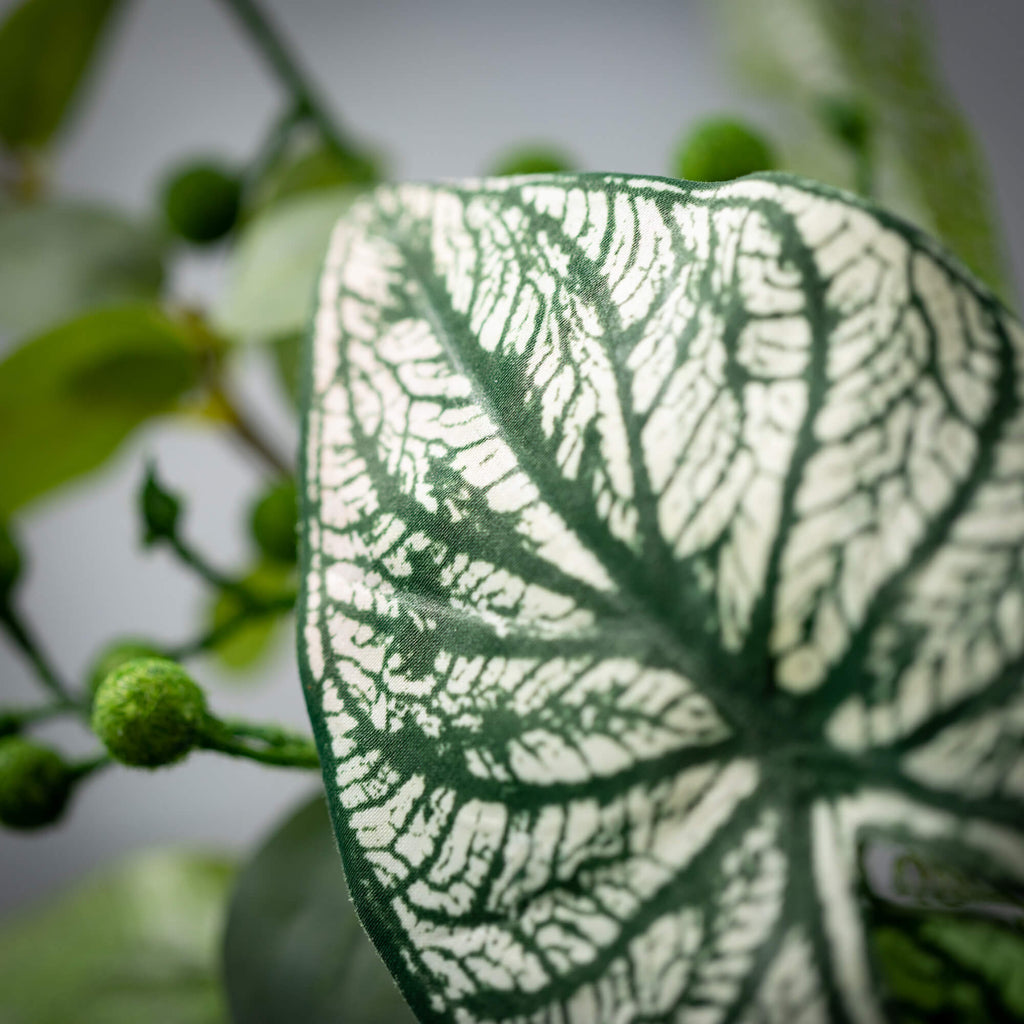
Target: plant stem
[(247, 432), (269, 42), (277, 746), (273, 606), (83, 769), (20, 717), (23, 638)]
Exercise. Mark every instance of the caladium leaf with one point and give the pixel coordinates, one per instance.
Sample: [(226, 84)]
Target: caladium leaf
[(663, 552)]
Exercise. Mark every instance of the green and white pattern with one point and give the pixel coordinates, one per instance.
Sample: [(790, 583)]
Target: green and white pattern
[(663, 550)]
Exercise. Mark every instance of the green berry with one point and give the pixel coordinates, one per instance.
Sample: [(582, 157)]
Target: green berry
[(10, 563), (114, 656), (201, 202), (149, 712), (721, 149), (533, 160), (35, 783), (275, 523)]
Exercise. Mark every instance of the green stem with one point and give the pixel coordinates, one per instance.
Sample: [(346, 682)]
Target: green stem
[(274, 606), (18, 718), (277, 746), (249, 434), (286, 67), (85, 768), (23, 638)]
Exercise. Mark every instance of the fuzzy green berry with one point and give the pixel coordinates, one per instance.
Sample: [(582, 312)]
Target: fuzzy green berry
[(275, 522), (201, 202), (35, 783), (721, 149), (149, 712), (114, 656)]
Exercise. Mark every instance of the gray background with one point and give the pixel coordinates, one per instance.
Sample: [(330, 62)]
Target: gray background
[(442, 87)]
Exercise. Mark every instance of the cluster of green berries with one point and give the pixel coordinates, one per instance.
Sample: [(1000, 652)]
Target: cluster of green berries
[(146, 710)]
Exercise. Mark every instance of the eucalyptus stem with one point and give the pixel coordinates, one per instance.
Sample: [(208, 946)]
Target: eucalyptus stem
[(23, 638), (286, 67), (275, 745)]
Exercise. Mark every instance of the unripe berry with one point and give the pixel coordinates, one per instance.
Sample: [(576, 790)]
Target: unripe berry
[(533, 160), (114, 656), (160, 509), (35, 782), (721, 149), (148, 712), (201, 201), (275, 522)]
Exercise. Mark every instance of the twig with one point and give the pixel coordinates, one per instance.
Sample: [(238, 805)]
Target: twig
[(23, 638)]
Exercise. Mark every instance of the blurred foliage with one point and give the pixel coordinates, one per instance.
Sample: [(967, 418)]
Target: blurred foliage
[(137, 943), (247, 645), (294, 950), (876, 56), (535, 159), (58, 259), (276, 264), (70, 396), (46, 49), (723, 148)]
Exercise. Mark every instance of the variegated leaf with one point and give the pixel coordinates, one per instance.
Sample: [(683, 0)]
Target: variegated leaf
[(663, 552)]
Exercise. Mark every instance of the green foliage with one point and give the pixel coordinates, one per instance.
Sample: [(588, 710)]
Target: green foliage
[(274, 520), (878, 55), (10, 563), (149, 712), (539, 159), (137, 943), (160, 509), (35, 783), (201, 201), (276, 263), (946, 968), (46, 49), (113, 656), (70, 396), (311, 168), (720, 149), (287, 354), (59, 259), (244, 646), (294, 951)]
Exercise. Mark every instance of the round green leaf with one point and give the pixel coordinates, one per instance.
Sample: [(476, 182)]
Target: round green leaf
[(662, 548), (46, 48), (137, 943), (276, 263), (59, 259), (294, 952), (70, 396)]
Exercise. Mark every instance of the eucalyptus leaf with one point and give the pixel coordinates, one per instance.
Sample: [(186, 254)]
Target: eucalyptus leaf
[(877, 56), (136, 943), (662, 547), (59, 259), (46, 49), (272, 279), (70, 396), (294, 952)]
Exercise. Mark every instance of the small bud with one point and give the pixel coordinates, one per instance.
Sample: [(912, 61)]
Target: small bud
[(201, 201), (275, 523), (149, 712), (848, 120), (721, 149), (10, 563), (160, 509), (113, 656), (35, 782)]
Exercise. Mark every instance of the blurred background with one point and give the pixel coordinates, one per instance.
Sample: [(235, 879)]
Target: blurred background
[(439, 89)]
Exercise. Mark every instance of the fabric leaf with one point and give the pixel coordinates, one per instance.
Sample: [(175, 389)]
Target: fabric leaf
[(662, 549)]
